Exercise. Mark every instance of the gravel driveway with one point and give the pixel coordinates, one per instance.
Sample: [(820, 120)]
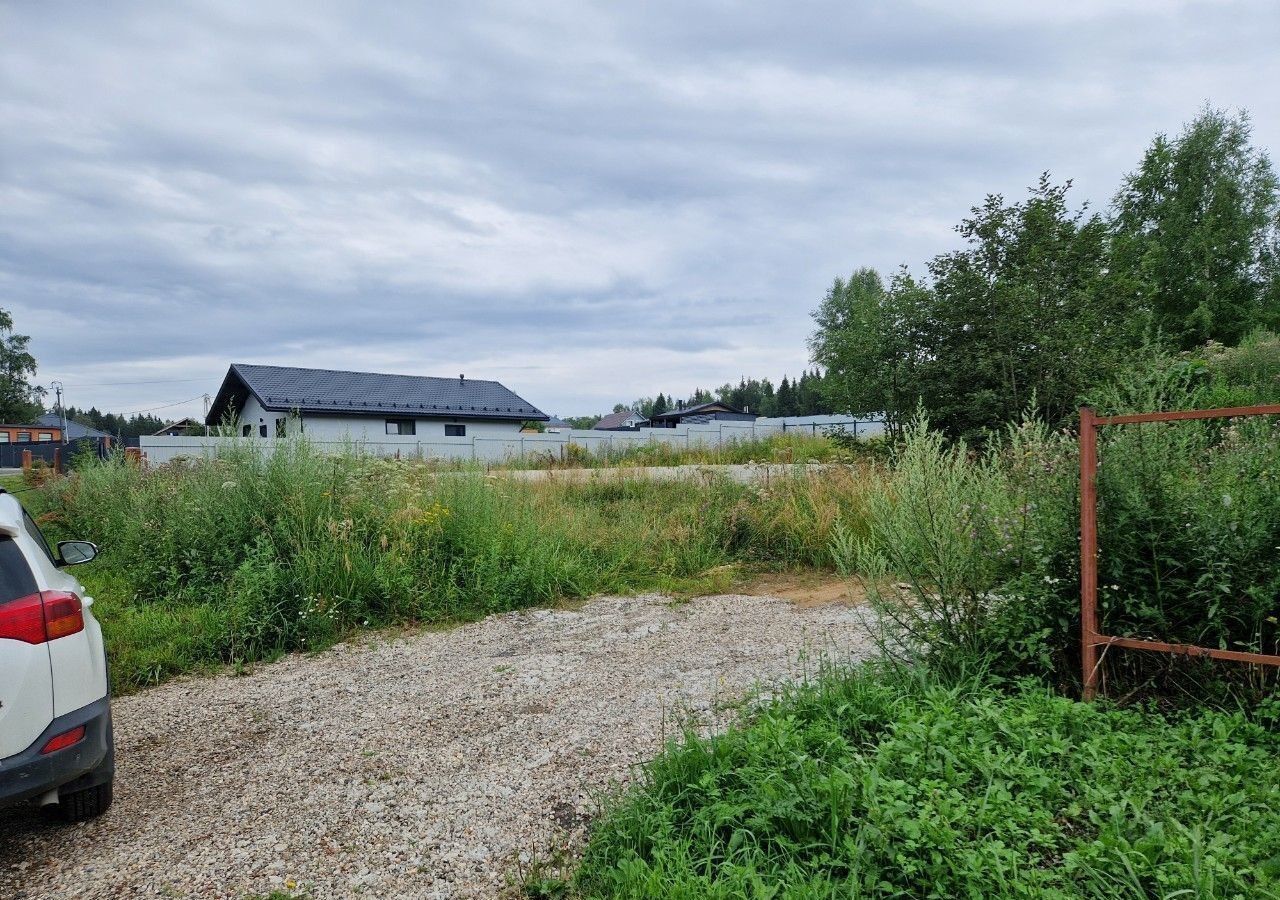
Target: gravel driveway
[(425, 765)]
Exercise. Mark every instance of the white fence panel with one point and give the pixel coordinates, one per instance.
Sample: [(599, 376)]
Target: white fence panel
[(490, 449)]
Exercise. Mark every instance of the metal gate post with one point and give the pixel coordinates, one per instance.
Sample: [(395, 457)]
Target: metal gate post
[(1090, 637), (1089, 552)]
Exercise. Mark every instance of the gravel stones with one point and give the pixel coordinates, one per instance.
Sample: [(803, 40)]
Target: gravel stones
[(429, 764)]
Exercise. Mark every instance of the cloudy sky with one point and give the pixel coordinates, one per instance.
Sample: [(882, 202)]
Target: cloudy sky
[(589, 202)]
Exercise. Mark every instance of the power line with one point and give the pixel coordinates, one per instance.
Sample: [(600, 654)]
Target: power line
[(80, 384), (131, 412)]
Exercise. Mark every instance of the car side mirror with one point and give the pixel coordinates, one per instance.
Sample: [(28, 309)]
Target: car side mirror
[(73, 553)]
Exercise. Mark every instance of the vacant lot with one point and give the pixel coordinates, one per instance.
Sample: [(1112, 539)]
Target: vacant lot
[(421, 765)]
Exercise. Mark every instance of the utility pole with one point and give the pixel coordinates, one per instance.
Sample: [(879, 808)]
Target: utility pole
[(206, 415), (57, 407)]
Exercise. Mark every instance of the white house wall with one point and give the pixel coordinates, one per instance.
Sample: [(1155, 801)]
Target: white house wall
[(373, 428), (358, 428), (254, 415)]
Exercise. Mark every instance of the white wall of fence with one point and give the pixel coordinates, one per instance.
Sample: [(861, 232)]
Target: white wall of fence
[(493, 449)]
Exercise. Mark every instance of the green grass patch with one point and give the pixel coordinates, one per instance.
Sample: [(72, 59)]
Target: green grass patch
[(781, 449), (880, 783), (250, 555)]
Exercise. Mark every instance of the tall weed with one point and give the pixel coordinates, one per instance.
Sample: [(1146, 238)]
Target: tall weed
[(292, 549)]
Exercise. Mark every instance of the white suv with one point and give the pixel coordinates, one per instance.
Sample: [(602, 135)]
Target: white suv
[(55, 714)]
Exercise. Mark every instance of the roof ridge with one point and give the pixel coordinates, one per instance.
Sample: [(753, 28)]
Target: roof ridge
[(356, 372)]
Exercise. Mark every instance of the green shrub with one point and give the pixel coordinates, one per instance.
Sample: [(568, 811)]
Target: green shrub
[(959, 545), (987, 544), (883, 783)]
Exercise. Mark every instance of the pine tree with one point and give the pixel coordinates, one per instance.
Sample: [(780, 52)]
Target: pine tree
[(785, 399)]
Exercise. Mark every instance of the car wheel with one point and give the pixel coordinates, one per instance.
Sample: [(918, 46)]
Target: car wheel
[(87, 803)]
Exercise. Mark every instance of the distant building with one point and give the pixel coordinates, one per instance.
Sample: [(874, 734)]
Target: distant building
[(26, 434), (75, 430), (187, 427), (557, 424), (627, 420), (701, 414), (270, 401)]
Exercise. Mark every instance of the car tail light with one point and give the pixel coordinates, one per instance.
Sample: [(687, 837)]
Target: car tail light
[(64, 740), (41, 617), (63, 614), (23, 620)]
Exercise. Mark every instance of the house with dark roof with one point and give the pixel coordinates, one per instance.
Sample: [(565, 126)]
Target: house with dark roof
[(75, 430), (701, 414), (327, 404), (627, 420), (25, 434), (188, 427)]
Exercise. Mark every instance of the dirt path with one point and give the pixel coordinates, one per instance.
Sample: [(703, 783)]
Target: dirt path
[(416, 766)]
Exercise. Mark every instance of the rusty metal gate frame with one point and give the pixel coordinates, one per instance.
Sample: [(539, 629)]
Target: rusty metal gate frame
[(1091, 639)]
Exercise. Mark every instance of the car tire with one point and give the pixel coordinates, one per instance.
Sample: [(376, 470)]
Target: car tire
[(86, 803)]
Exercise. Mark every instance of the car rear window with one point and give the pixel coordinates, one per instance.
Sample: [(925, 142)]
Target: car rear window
[(16, 579)]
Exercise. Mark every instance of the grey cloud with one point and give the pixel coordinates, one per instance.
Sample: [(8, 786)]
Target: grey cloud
[(601, 200)]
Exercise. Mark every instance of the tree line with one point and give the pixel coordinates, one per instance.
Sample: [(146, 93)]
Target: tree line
[(22, 401), (115, 423), (1044, 301), (803, 396)]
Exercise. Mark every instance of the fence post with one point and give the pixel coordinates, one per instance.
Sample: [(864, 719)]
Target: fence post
[(1088, 552), (57, 460), (26, 459)]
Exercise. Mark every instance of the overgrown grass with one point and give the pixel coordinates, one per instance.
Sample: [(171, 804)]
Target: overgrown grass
[(250, 555), (890, 783), (926, 781), (784, 449), (988, 542)]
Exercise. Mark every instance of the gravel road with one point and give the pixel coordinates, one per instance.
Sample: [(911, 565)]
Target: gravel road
[(421, 765)]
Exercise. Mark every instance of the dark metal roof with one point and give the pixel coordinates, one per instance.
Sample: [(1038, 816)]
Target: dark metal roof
[(75, 430), (615, 421), (713, 406), (286, 388)]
